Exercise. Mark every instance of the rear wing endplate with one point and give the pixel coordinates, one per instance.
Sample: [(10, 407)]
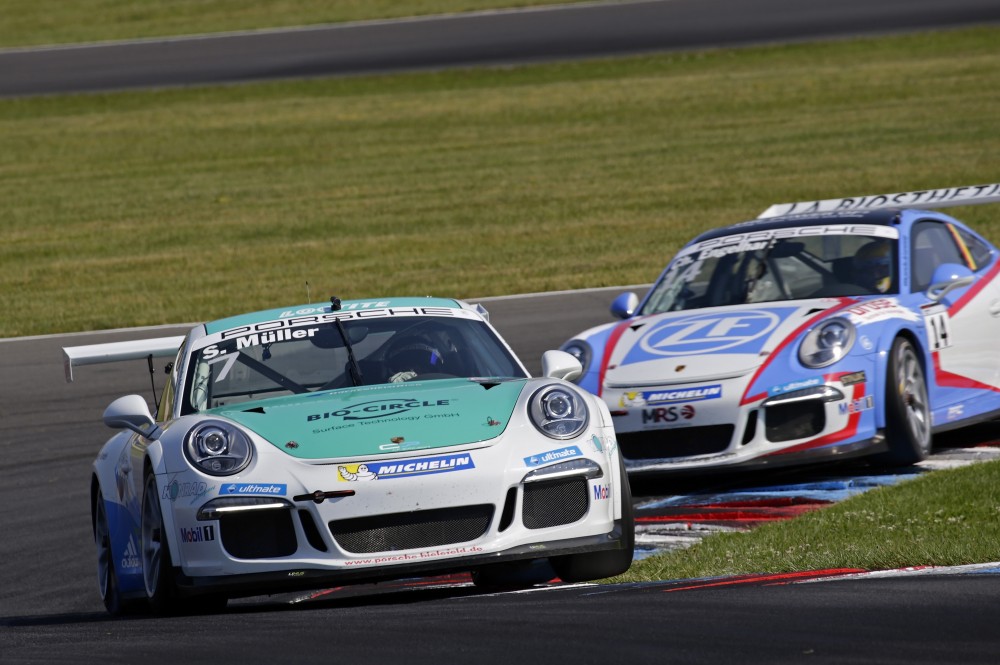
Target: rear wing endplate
[(924, 199), (111, 352)]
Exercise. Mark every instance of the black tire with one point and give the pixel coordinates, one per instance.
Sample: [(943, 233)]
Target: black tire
[(107, 579), (907, 409), (513, 575), (158, 567), (608, 563)]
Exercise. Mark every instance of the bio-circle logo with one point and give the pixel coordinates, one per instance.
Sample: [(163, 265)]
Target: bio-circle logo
[(708, 333)]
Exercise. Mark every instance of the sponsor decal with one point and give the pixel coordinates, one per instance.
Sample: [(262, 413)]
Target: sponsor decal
[(553, 456), (879, 309), (754, 240), (683, 395), (397, 446), (395, 558), (176, 490), (404, 468), (379, 408), (733, 332), (793, 386), (130, 558), (857, 405), (669, 414), (123, 471), (601, 492), (631, 399), (254, 489), (491, 422), (198, 534), (955, 412), (852, 378)]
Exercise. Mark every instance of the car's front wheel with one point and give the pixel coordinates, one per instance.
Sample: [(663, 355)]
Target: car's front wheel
[(598, 565), (157, 568), (907, 408)]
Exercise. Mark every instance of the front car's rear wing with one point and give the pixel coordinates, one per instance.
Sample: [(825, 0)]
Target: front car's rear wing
[(925, 199), (111, 352)]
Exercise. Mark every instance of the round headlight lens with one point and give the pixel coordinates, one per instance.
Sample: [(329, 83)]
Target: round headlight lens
[(827, 343), (558, 412), (579, 350), (218, 448)]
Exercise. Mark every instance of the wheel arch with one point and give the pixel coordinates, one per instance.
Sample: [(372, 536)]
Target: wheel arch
[(884, 349)]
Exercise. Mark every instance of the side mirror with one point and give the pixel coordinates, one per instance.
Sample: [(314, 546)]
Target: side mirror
[(946, 278), (624, 305), (131, 412), (560, 365)]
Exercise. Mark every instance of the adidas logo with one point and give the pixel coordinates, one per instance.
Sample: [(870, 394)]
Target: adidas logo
[(131, 558)]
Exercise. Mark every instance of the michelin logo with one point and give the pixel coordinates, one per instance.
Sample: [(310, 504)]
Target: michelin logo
[(553, 456), (683, 395)]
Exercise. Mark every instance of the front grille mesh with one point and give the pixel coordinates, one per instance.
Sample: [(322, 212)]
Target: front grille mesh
[(678, 442), (553, 503), (404, 531)]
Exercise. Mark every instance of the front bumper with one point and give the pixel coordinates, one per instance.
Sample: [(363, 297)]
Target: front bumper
[(794, 423)]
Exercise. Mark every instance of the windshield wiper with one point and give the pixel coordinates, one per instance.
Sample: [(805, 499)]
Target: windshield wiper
[(352, 362)]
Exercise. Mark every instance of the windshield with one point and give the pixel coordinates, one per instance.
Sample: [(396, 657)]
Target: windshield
[(778, 264), (238, 366)]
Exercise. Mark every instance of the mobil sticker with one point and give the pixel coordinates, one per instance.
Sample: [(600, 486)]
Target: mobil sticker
[(741, 331)]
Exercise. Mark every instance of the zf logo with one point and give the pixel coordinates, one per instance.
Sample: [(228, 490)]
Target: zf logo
[(709, 333), (667, 414)]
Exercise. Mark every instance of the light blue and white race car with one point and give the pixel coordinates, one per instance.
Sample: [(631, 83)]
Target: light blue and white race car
[(355, 441), (852, 326)]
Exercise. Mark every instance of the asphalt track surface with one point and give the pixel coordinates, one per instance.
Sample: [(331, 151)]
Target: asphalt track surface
[(488, 38), (50, 432)]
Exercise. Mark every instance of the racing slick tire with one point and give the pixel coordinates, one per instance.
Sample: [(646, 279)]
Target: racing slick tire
[(157, 566), (907, 409), (512, 575), (107, 579), (598, 565)]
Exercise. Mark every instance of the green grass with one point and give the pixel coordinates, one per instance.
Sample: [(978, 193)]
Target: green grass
[(945, 518), (153, 207), (32, 23)]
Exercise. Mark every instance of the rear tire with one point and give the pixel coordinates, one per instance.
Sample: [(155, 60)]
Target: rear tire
[(907, 409), (608, 563)]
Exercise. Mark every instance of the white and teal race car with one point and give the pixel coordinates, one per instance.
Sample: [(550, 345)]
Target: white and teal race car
[(361, 441)]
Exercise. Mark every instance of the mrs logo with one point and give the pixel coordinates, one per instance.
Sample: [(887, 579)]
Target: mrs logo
[(709, 333)]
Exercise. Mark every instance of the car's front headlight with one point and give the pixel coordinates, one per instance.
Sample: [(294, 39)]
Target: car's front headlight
[(558, 412), (218, 448), (579, 350), (827, 343)]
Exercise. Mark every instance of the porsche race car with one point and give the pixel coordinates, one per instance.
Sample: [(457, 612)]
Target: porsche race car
[(844, 327), (356, 441)]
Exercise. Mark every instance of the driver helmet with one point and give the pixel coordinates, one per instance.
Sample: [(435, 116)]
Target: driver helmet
[(417, 355), (873, 265)]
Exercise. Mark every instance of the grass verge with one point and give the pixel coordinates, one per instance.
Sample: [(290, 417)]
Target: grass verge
[(945, 518), (154, 207)]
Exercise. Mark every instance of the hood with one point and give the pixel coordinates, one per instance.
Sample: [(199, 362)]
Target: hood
[(382, 419), (708, 344)]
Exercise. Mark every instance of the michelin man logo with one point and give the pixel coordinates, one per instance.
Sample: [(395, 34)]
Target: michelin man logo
[(361, 473)]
